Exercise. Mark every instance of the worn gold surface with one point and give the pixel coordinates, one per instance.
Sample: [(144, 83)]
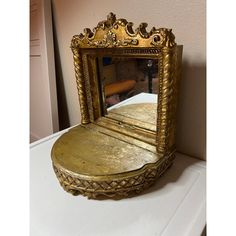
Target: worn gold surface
[(88, 151), (114, 186), (88, 161), (124, 152)]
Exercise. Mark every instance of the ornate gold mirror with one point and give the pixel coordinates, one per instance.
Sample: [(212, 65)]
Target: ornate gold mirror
[(127, 84)]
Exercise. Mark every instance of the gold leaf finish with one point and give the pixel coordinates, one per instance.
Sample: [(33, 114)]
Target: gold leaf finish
[(167, 104), (115, 187), (120, 33), (116, 155), (81, 86)]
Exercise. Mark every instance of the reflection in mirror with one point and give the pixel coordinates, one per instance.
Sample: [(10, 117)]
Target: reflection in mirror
[(127, 83)]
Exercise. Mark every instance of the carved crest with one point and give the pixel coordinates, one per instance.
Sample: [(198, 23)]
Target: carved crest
[(119, 33)]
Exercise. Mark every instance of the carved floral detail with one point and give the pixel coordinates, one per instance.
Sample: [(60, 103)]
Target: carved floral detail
[(110, 39)]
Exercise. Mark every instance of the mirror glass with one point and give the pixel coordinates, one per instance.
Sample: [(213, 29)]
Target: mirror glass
[(130, 89)]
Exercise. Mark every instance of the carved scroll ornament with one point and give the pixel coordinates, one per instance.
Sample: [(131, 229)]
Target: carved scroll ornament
[(119, 33)]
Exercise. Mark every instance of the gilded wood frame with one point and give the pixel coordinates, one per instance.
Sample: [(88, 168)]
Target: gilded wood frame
[(118, 36)]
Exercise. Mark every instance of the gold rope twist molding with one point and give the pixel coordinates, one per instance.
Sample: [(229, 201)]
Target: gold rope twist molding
[(165, 118), (80, 86)]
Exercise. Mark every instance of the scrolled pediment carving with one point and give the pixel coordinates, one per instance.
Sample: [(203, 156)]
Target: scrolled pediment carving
[(120, 33)]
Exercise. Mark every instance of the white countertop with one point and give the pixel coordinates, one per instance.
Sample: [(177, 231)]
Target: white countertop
[(174, 206)]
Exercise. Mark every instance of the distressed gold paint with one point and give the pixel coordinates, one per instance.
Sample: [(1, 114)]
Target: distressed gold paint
[(124, 152)]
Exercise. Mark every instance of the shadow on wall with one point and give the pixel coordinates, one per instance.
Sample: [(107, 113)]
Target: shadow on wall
[(191, 116), (61, 95)]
